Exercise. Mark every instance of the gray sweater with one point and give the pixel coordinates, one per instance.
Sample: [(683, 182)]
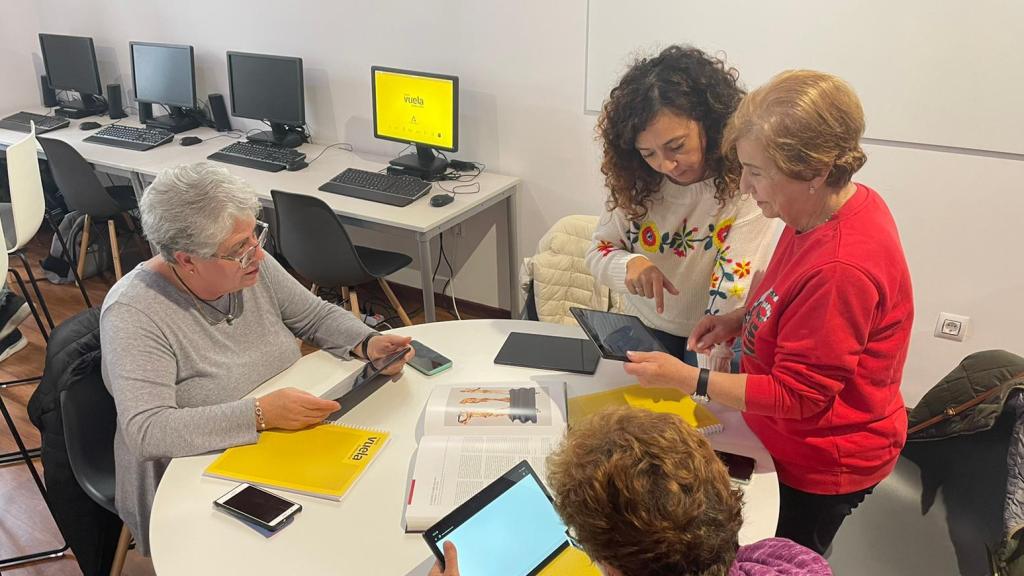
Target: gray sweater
[(179, 382)]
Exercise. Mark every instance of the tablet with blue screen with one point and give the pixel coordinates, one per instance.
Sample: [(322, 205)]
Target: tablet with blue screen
[(510, 528)]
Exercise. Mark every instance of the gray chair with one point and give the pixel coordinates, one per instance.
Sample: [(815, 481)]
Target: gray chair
[(315, 243), (936, 514), (888, 535), (90, 421), (84, 192)]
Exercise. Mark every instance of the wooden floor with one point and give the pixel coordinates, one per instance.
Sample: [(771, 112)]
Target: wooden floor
[(25, 524)]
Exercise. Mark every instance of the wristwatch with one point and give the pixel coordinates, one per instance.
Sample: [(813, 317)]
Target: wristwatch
[(364, 346), (701, 393)]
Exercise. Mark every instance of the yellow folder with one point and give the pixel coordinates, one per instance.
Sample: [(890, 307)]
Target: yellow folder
[(322, 461), (570, 561), (666, 400)]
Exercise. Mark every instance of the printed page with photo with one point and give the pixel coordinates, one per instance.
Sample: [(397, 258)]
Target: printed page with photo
[(475, 433)]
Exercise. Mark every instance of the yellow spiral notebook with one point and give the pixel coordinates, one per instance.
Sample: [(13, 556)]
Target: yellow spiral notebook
[(323, 461), (666, 400)]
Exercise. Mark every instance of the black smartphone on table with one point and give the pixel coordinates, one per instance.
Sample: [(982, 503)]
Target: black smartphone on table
[(427, 360), (741, 468)]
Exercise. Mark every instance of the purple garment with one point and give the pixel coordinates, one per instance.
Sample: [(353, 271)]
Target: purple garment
[(778, 557)]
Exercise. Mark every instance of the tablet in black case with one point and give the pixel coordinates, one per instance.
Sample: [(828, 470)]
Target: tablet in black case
[(615, 334), (549, 353), (510, 528)]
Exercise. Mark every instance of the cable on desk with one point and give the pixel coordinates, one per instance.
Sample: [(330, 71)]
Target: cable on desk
[(233, 134), (342, 145), (466, 181)]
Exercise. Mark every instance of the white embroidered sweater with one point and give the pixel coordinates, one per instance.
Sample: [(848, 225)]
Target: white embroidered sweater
[(709, 252)]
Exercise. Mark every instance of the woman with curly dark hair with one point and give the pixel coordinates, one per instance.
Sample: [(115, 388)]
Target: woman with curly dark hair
[(827, 330), (674, 223)]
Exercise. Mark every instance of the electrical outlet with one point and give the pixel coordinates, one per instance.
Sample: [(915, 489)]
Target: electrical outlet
[(951, 326)]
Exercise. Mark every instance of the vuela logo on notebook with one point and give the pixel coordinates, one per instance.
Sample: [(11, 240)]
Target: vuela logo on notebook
[(364, 450)]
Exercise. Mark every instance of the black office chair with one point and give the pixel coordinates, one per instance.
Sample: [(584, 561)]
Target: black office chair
[(90, 420), (314, 241), (84, 192)]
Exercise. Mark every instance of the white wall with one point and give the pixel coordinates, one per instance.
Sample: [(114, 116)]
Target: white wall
[(911, 60), (19, 56), (521, 67)]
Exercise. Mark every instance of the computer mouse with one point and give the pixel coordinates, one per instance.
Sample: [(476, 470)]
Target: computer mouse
[(438, 200), (297, 165), (88, 125), (190, 141)]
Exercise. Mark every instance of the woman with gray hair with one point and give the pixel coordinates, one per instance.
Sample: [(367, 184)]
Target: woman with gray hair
[(189, 333)]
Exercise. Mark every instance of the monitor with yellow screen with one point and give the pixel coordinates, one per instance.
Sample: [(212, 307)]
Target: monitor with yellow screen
[(417, 108)]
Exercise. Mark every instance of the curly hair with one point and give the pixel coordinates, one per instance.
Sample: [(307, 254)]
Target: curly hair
[(685, 81), (646, 495), (810, 123)]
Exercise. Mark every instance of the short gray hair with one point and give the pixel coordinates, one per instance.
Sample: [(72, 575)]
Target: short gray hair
[(192, 208)]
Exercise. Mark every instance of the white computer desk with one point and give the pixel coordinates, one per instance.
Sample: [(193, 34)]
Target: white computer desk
[(363, 534), (419, 219)]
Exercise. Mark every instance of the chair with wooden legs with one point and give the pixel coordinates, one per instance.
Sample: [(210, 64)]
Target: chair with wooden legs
[(84, 192), (315, 243)]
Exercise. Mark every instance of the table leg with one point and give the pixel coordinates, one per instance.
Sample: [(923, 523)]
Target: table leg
[(426, 280), (513, 254), (139, 187)]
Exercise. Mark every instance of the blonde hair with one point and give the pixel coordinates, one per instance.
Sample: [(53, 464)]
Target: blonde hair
[(646, 495), (810, 124)]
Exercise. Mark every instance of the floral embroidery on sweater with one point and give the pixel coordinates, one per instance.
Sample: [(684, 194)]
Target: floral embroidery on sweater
[(682, 243)]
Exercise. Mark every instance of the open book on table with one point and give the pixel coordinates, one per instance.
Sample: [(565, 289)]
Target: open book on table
[(474, 433)]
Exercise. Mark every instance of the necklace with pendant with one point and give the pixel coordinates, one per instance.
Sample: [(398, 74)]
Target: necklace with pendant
[(228, 316)]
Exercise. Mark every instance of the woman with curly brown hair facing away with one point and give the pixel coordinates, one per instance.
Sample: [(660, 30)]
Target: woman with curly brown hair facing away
[(675, 222), (643, 494), (827, 330)]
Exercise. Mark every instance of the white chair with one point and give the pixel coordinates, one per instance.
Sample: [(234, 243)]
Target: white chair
[(22, 454), (24, 216)]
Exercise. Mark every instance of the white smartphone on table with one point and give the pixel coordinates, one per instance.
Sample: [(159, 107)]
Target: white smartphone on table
[(257, 506)]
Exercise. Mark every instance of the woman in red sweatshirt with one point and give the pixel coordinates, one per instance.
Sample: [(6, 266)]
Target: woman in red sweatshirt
[(826, 330)]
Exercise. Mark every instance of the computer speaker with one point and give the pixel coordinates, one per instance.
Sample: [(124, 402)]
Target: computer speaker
[(219, 111), (116, 109), (49, 94)]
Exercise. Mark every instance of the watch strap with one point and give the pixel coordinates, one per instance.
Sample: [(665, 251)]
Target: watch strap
[(701, 393)]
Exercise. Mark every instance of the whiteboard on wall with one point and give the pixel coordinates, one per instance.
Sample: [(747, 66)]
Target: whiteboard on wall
[(933, 72)]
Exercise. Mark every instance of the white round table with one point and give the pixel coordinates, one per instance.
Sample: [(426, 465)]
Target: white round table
[(363, 534)]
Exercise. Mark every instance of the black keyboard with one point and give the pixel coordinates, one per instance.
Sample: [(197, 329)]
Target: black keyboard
[(260, 156), (20, 122), (130, 137), (377, 187)]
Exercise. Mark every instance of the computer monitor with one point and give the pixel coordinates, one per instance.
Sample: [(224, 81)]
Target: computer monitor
[(70, 63), (269, 88), (417, 108), (165, 74)]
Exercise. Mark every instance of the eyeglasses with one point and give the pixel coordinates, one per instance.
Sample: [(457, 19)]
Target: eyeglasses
[(246, 258)]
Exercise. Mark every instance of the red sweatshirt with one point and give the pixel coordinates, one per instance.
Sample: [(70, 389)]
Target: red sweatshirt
[(824, 342)]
